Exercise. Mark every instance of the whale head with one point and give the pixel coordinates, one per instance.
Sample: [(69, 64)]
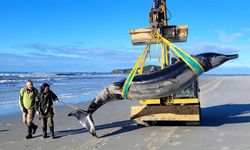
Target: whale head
[(212, 60)]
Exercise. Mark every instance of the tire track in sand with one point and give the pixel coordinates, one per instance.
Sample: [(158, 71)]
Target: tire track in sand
[(211, 85), (159, 137)]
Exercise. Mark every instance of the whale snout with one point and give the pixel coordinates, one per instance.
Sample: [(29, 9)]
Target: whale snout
[(234, 56), (215, 59)]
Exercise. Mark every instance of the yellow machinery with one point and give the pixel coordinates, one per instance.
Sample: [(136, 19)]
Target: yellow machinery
[(182, 106)]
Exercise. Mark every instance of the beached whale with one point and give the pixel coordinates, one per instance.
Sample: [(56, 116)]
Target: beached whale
[(157, 84)]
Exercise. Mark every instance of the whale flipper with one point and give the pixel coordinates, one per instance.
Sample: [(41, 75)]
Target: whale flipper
[(85, 120)]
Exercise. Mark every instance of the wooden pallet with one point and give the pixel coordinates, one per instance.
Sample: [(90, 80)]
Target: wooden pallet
[(173, 33), (185, 113)]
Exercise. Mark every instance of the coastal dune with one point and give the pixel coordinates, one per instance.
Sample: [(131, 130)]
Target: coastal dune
[(225, 124)]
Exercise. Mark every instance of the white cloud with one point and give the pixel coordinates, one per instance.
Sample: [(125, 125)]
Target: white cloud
[(246, 29), (76, 50), (81, 58), (227, 38), (204, 47)]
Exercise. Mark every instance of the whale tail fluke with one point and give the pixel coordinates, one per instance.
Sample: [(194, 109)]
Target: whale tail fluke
[(85, 120)]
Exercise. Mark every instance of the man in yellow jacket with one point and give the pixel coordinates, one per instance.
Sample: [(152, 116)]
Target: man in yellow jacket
[(27, 102)]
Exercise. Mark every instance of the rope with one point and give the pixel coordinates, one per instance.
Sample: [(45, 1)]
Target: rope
[(157, 53), (72, 106)]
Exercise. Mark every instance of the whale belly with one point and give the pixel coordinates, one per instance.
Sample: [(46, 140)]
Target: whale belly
[(161, 88)]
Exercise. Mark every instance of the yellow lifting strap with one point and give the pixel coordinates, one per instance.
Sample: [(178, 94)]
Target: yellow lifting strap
[(134, 71), (157, 53), (193, 64), (143, 62)]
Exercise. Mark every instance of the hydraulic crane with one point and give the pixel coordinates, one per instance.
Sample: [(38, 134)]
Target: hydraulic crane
[(182, 106)]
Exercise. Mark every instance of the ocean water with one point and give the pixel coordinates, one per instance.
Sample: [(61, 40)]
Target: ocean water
[(69, 87)]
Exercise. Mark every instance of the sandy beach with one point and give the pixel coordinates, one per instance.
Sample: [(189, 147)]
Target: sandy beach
[(225, 125)]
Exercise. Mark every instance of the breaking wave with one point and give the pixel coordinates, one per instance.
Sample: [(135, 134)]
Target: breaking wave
[(70, 87)]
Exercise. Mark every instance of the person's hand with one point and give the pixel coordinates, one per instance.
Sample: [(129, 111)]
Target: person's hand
[(37, 113)]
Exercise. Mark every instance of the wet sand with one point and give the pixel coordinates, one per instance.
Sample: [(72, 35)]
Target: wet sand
[(225, 125)]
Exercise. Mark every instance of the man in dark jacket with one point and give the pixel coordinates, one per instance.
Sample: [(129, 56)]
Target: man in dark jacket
[(46, 110), (27, 102)]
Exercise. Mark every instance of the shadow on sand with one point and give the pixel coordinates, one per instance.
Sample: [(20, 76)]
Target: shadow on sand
[(4, 130), (225, 114), (211, 116), (125, 126)]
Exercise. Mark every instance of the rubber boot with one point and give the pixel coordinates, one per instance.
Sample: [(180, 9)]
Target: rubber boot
[(45, 132), (29, 132), (34, 127), (52, 135)]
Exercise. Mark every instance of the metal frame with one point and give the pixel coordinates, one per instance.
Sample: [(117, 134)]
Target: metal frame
[(174, 108)]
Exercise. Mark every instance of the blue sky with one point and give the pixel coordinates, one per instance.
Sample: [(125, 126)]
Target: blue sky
[(79, 35)]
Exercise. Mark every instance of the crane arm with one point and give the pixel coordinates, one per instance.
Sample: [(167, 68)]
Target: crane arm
[(157, 15)]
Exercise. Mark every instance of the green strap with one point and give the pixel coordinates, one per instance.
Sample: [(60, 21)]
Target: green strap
[(190, 62), (127, 85), (133, 72), (193, 64)]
